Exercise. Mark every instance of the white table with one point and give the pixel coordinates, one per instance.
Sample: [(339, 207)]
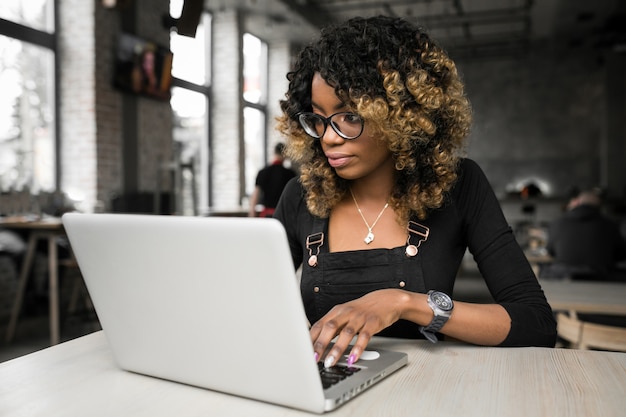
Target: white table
[(79, 378), (586, 296)]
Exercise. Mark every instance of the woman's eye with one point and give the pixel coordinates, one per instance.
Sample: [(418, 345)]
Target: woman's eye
[(352, 118)]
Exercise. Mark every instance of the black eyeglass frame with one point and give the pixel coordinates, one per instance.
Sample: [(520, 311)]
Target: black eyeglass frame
[(327, 121)]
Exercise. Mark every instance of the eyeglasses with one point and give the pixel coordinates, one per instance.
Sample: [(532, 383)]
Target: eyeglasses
[(345, 124)]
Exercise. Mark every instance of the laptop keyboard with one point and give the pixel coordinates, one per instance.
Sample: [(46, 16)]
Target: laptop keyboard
[(334, 374)]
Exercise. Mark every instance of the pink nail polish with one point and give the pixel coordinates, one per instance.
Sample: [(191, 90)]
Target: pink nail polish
[(351, 359), (316, 356)]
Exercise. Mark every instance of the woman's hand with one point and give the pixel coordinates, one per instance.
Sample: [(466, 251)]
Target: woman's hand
[(479, 324), (363, 317)]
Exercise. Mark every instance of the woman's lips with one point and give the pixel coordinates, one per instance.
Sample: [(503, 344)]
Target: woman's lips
[(338, 160)]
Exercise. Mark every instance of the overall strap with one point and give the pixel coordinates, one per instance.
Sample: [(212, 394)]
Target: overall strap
[(315, 240), (418, 233)]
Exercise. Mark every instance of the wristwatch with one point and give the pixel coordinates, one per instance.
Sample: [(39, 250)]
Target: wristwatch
[(442, 306)]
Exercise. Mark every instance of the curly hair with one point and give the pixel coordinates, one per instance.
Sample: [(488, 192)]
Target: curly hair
[(410, 95)]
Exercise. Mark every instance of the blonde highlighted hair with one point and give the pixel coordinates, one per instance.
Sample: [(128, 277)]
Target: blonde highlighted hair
[(410, 95)]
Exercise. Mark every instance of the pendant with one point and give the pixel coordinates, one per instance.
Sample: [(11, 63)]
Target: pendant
[(369, 238)]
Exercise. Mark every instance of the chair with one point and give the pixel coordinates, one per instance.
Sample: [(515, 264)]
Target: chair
[(569, 329), (603, 337), (585, 335)]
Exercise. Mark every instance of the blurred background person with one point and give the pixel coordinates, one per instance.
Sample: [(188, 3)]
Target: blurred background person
[(269, 184), (585, 243)]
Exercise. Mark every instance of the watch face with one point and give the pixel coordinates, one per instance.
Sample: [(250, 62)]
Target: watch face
[(441, 300)]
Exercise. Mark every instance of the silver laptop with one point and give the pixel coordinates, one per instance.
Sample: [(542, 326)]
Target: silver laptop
[(210, 302)]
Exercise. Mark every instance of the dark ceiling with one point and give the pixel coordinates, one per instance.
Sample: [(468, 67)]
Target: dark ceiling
[(463, 27)]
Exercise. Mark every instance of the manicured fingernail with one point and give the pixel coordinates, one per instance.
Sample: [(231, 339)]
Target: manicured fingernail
[(329, 361), (351, 359), (316, 356)]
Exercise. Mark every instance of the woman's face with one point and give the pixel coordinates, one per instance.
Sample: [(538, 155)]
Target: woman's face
[(354, 158)]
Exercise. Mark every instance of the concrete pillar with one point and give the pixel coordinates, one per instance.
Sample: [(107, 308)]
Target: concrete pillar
[(226, 114)]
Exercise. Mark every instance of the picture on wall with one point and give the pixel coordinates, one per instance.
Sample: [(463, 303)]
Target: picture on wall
[(143, 67)]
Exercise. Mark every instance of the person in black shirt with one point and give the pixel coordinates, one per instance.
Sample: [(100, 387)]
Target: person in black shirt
[(269, 184), (584, 243), (385, 205)]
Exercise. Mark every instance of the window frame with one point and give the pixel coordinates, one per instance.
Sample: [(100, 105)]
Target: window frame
[(207, 91), (261, 106)]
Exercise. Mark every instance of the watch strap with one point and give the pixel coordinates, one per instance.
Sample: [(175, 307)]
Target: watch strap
[(436, 324), (429, 335)]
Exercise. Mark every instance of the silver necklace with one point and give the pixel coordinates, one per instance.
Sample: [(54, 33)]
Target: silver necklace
[(370, 235)]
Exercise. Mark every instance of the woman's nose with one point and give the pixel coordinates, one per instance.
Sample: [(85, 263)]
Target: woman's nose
[(331, 137)]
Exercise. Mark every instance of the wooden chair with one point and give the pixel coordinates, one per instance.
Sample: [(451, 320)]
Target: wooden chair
[(599, 336), (585, 335), (569, 328)]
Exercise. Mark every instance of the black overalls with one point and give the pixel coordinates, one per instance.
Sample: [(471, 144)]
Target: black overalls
[(329, 279)]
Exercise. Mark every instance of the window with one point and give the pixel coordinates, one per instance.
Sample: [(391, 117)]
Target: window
[(28, 145), (254, 112), (254, 138), (36, 14), (190, 104)]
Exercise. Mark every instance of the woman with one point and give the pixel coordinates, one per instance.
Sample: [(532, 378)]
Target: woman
[(385, 206)]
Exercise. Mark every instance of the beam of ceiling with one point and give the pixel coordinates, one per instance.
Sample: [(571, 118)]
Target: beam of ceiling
[(476, 18), (464, 27), (456, 26), (313, 14)]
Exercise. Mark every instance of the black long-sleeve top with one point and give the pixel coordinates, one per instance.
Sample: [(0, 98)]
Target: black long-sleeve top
[(470, 218)]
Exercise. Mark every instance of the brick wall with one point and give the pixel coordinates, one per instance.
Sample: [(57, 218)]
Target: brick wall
[(108, 105), (78, 97), (226, 111), (92, 125), (154, 124)]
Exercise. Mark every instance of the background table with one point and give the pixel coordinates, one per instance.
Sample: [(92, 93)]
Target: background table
[(586, 296), (79, 378), (49, 230)]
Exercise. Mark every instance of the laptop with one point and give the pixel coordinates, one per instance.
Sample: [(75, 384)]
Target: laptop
[(211, 302)]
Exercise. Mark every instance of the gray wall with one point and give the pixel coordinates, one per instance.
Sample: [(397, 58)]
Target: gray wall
[(541, 116)]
